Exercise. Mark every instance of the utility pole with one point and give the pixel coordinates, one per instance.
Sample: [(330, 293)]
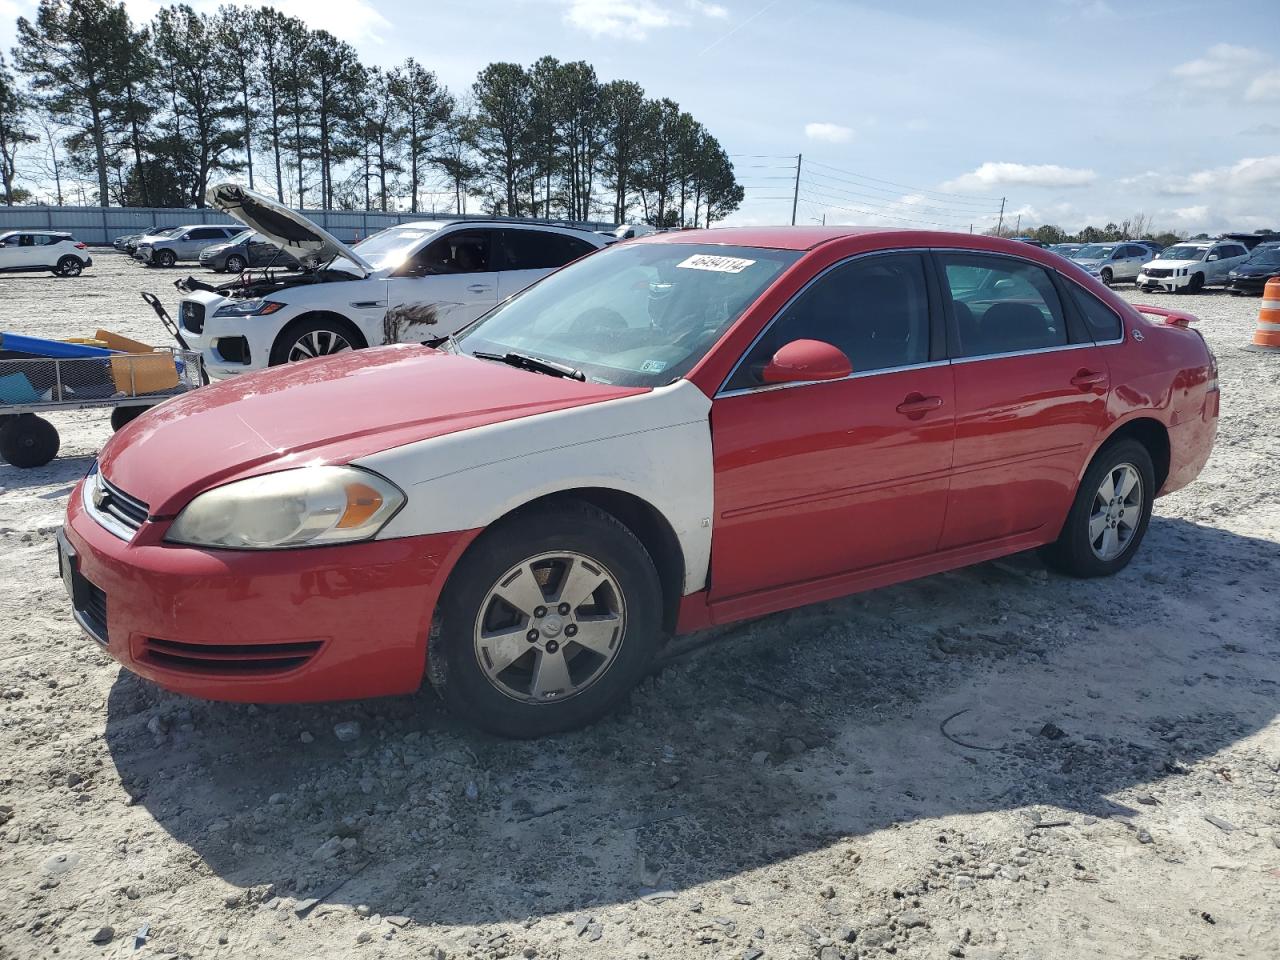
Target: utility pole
[(795, 197), (1018, 229), (1000, 225)]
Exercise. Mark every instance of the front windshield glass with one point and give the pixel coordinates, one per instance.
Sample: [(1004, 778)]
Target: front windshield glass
[(1094, 251), (639, 314), (1183, 253), (1266, 257), (388, 248)]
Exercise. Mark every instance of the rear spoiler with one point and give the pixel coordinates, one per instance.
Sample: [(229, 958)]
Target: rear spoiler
[(1173, 318)]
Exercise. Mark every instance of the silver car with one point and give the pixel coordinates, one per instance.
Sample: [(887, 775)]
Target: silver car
[(183, 243), (1109, 262)]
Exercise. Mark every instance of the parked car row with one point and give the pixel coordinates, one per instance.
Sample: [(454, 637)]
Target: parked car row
[(1241, 263)]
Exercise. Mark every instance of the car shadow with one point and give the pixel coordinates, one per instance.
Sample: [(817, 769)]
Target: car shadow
[(64, 471), (997, 687)]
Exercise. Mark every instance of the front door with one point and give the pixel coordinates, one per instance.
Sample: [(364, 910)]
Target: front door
[(1031, 398), (443, 287), (818, 479), (529, 254)]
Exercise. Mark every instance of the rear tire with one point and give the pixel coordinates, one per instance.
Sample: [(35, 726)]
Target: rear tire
[(69, 267), (28, 441), (1103, 517), (544, 552)]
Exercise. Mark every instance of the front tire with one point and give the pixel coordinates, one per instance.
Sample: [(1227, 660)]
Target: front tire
[(235, 264), (1107, 276), (1196, 284), (165, 258), (317, 337), (547, 622), (1110, 514), (69, 267)]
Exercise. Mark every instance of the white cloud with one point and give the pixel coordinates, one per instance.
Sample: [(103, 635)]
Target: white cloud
[(1265, 87), (712, 10), (1021, 174), (1220, 68), (355, 21), (1248, 175), (828, 132), (623, 19)]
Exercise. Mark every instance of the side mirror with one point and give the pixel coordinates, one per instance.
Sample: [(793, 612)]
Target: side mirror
[(801, 361), (1212, 257)]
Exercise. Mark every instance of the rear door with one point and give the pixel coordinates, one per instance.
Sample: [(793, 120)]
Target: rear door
[(197, 238), (444, 286), (529, 254), (818, 479), (1031, 398)]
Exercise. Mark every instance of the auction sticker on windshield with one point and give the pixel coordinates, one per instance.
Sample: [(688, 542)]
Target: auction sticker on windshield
[(707, 261)]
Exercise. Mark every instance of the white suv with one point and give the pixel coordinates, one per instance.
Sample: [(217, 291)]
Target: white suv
[(1191, 266), (414, 281), (35, 251)]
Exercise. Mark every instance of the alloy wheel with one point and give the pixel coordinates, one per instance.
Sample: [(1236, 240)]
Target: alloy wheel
[(1116, 513), (550, 627), (318, 343)]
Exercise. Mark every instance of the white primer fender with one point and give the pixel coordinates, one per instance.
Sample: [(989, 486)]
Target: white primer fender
[(656, 446)]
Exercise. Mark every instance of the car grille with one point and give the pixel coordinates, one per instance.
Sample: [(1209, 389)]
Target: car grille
[(254, 659), (118, 506), (1159, 273), (192, 316)]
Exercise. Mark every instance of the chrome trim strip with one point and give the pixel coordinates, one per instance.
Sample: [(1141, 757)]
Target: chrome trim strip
[(108, 521), (769, 387), (1025, 353)]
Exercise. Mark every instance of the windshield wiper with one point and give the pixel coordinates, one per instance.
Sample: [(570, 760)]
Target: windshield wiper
[(526, 362)]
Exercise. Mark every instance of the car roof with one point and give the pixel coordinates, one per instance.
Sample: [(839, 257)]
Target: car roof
[(810, 238), (490, 222)]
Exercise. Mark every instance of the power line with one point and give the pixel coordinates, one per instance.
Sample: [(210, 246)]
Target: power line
[(842, 194), (877, 213), (901, 186)]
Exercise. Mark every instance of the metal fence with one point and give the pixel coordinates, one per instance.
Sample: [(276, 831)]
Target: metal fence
[(101, 225)]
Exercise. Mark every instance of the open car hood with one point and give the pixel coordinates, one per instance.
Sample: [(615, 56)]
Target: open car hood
[(310, 245)]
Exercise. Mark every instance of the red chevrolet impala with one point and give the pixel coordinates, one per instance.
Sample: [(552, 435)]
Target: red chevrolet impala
[(675, 432)]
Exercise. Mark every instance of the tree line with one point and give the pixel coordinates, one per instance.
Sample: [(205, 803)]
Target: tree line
[(1136, 227), (149, 115)]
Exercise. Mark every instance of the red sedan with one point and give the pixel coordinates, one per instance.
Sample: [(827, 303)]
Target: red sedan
[(676, 432)]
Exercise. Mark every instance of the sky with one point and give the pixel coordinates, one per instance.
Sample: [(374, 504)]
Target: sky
[(909, 113)]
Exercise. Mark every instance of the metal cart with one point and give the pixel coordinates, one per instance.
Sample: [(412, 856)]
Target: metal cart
[(125, 383)]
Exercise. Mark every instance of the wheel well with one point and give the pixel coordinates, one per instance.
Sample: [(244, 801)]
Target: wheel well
[(650, 528), (353, 333), (1153, 435)]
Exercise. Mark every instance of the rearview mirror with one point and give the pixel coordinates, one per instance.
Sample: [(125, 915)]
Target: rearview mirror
[(801, 361)]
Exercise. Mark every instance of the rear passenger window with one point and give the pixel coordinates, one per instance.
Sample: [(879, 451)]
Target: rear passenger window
[(540, 250), (875, 309), (1002, 305), (1102, 321)]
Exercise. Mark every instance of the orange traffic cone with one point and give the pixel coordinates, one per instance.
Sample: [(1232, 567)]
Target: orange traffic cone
[(1267, 336)]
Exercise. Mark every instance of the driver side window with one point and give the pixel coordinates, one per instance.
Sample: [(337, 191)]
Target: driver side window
[(466, 251), (874, 309)]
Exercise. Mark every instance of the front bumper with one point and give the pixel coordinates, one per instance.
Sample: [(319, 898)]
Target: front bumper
[(281, 626), (1247, 284), (1167, 284)]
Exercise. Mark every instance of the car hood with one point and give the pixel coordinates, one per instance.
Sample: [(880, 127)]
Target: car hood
[(1089, 263), (310, 245), (1256, 270), (332, 410), (1175, 264)]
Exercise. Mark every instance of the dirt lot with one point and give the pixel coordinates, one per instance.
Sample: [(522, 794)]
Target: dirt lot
[(1110, 785)]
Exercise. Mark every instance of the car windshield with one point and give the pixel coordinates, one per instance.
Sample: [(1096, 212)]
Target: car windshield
[(638, 314), (1266, 257), (1184, 252), (245, 234), (389, 248), (1094, 251)]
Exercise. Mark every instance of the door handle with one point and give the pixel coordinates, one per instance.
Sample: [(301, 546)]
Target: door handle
[(916, 405), (1088, 379), (479, 288)]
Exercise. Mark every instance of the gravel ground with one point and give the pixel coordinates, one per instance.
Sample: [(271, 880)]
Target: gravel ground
[(991, 763)]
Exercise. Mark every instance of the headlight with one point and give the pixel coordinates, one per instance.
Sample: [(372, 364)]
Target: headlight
[(311, 506), (248, 308)]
